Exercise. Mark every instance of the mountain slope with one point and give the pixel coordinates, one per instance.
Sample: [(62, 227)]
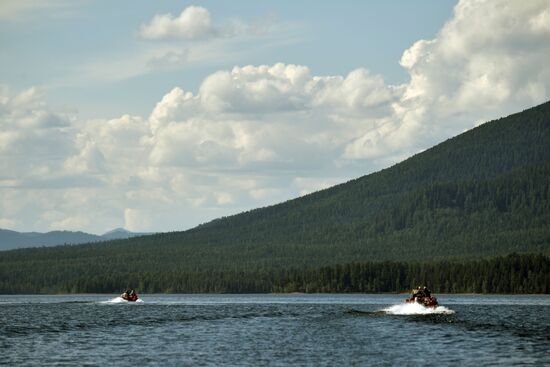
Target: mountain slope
[(390, 215), (481, 194)]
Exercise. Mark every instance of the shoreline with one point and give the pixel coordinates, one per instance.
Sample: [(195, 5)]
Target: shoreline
[(278, 294)]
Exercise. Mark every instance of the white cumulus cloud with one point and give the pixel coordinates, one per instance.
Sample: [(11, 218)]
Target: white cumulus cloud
[(268, 116), (194, 22), (489, 60)]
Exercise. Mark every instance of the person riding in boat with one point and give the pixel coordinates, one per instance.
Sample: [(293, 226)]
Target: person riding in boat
[(423, 296), (416, 293), (419, 293), (132, 296), (427, 292), (129, 295)]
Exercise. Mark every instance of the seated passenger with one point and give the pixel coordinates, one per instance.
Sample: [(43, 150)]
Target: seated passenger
[(427, 292)]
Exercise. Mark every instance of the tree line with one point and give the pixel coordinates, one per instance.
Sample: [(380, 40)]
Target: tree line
[(515, 273)]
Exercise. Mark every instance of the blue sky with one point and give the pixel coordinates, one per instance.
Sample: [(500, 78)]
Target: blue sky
[(48, 46), (158, 116)]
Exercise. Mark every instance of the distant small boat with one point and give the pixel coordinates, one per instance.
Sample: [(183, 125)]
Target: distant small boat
[(130, 296), (423, 296)]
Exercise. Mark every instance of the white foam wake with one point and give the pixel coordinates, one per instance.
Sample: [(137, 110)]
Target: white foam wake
[(120, 300), (416, 309)]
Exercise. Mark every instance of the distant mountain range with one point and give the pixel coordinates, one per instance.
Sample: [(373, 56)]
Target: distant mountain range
[(12, 239)]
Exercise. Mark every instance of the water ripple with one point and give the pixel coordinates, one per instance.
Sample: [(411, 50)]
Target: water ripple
[(261, 330)]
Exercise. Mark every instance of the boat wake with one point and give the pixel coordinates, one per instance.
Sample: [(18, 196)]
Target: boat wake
[(416, 309), (119, 300)]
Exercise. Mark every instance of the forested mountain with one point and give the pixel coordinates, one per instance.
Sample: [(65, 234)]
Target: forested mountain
[(12, 239), (484, 193)]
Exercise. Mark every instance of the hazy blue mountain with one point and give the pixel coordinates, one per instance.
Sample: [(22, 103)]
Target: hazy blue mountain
[(13, 240), (120, 233)]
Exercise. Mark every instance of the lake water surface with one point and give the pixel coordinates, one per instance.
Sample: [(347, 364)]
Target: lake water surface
[(273, 330)]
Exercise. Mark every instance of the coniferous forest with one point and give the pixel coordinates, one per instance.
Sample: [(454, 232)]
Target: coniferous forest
[(514, 273), (448, 217)]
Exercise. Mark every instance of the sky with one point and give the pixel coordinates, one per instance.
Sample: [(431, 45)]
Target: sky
[(158, 116)]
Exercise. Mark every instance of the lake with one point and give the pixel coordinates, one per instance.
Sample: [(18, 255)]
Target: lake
[(273, 330)]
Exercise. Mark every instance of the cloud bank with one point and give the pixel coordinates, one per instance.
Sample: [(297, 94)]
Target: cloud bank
[(259, 134)]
